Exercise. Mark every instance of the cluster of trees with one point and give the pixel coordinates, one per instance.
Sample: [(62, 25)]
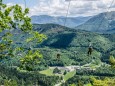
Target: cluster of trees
[(76, 81), (112, 61), (67, 57), (103, 82), (89, 81), (101, 71), (102, 76), (56, 70), (21, 22), (13, 77)]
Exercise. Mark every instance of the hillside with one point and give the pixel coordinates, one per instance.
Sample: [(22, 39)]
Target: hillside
[(57, 50), (103, 22), (54, 31), (71, 21), (70, 43), (73, 44)]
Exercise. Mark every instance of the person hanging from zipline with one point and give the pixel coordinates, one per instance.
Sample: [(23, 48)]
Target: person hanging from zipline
[(58, 56), (90, 49)]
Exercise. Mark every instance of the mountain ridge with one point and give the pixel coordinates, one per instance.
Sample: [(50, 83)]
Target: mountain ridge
[(102, 22), (61, 37), (71, 21)]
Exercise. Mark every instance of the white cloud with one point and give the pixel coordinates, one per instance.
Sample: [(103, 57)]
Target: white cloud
[(11, 4), (77, 7)]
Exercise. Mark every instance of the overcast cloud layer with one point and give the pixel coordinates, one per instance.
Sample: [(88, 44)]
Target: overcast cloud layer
[(77, 7)]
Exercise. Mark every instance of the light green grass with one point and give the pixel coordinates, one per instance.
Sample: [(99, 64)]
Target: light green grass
[(48, 72), (69, 75), (88, 84)]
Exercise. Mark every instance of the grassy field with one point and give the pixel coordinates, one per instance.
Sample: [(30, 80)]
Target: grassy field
[(88, 84), (48, 72), (69, 75)]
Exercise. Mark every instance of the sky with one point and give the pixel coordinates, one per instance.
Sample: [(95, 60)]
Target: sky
[(60, 7)]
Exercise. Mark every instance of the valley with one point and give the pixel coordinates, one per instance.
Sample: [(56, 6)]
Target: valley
[(72, 45), (47, 50)]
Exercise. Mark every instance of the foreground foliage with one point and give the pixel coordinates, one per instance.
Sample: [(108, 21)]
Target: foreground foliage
[(14, 18)]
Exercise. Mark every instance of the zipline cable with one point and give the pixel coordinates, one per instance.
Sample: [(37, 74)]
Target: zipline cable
[(25, 3), (49, 6), (90, 46), (22, 9), (105, 14), (58, 54), (67, 13)]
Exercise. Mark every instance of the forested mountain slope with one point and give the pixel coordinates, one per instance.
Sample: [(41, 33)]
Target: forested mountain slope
[(103, 22), (71, 42), (71, 21)]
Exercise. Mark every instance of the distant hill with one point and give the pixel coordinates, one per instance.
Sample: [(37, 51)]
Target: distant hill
[(111, 31), (103, 22), (55, 31), (70, 43), (71, 21), (72, 40)]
